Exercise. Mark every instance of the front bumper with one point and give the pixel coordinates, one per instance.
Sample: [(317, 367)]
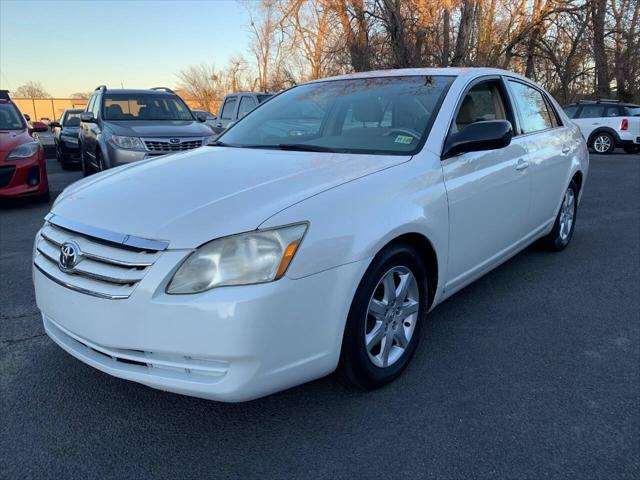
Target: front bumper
[(120, 156), (227, 344), (24, 177)]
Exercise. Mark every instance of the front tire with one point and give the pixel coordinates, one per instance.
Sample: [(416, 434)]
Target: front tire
[(603, 143), (562, 231), (383, 326)]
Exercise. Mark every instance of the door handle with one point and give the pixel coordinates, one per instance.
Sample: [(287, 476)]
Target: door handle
[(522, 164), (219, 125), (565, 149)]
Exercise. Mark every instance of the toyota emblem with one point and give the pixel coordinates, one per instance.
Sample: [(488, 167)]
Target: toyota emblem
[(69, 256), (174, 141)]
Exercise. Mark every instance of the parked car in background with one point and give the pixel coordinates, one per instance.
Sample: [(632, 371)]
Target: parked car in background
[(210, 117), (235, 106), (266, 261), (23, 172), (65, 135), (607, 124), (120, 126)]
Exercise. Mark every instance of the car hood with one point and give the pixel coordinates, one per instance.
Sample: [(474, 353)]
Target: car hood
[(10, 139), (159, 128), (193, 197)]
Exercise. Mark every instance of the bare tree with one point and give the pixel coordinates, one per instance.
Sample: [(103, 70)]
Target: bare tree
[(31, 89), (202, 83)]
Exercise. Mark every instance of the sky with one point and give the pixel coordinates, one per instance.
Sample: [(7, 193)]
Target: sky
[(74, 46)]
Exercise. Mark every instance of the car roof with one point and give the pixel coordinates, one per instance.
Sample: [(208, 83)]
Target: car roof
[(138, 91), (443, 71)]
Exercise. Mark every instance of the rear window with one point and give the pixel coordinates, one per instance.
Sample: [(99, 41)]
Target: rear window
[(10, 118), (633, 111), (262, 98), (145, 107), (570, 111)]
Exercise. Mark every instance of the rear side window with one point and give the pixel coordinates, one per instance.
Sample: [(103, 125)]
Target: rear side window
[(592, 111), (262, 98), (533, 108), (570, 111), (246, 105), (228, 108), (613, 112)]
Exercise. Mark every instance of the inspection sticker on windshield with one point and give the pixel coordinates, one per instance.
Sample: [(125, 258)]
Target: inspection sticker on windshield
[(403, 139)]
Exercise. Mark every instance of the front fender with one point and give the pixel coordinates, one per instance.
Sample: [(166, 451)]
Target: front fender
[(354, 221)]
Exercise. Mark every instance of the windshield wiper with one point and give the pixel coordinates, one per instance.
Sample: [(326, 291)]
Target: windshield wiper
[(218, 143), (305, 147)]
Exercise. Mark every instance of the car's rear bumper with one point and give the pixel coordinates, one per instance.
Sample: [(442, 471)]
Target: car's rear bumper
[(227, 344), (24, 177)]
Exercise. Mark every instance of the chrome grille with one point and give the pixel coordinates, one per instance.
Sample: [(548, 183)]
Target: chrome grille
[(104, 268), (165, 144)]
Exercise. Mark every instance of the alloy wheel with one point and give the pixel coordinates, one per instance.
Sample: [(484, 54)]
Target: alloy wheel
[(602, 143), (567, 213), (392, 315)]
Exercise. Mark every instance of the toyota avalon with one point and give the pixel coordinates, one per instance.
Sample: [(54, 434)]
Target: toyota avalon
[(316, 234)]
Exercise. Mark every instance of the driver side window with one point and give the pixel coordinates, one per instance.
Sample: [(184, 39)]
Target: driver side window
[(484, 101)]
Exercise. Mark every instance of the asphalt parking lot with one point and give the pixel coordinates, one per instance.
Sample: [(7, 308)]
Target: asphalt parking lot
[(531, 372)]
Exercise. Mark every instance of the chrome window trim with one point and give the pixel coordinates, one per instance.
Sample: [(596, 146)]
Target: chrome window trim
[(107, 235)]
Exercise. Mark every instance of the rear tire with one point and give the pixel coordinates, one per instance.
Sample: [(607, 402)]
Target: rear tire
[(383, 325), (562, 231), (603, 143)]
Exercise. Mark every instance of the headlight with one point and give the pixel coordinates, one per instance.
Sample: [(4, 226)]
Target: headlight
[(24, 151), (130, 143), (253, 257)]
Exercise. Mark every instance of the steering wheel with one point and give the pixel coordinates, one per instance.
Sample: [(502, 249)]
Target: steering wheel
[(413, 133)]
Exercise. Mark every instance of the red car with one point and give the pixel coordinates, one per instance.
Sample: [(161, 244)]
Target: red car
[(23, 172)]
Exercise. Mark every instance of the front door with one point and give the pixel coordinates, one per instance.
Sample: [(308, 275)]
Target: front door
[(488, 192)]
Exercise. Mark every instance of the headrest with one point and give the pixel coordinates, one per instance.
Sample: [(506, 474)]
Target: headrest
[(367, 110)]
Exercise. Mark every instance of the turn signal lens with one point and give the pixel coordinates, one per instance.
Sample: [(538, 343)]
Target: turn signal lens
[(289, 252), (625, 124)]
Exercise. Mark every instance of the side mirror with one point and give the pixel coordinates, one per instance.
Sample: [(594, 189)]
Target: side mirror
[(54, 124), (39, 127), (27, 117), (87, 117), (201, 117), (479, 136)]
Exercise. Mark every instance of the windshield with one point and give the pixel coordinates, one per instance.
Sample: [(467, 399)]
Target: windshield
[(145, 107), (384, 115), (10, 118), (71, 119)]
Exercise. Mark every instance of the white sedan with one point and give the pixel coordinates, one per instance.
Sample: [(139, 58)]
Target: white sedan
[(316, 235)]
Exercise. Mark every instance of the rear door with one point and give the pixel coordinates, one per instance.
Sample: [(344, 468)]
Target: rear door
[(550, 146), (227, 113), (488, 191)]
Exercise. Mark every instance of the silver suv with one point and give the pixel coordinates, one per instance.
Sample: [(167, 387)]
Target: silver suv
[(122, 126)]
